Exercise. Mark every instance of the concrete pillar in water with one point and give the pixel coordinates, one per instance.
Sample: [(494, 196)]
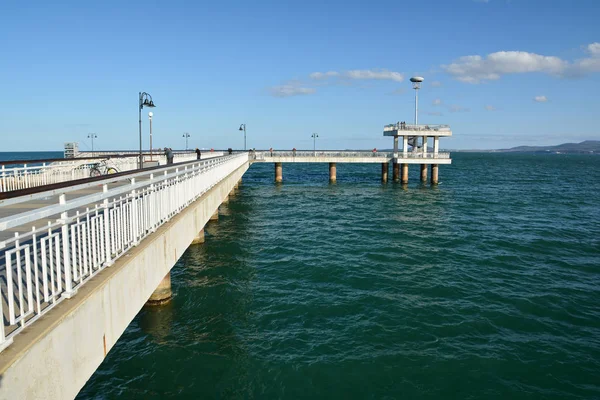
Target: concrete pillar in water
[(385, 167), (215, 216), (404, 174), (332, 172), (162, 294), (199, 238), (278, 172), (423, 172), (396, 172), (434, 174)]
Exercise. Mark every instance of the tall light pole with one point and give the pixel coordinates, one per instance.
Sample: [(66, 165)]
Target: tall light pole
[(92, 136), (243, 128), (416, 84), (145, 100), (314, 136), (186, 136), (150, 118)]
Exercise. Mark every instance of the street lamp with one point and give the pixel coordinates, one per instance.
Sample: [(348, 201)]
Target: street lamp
[(92, 136), (416, 84), (150, 118), (314, 136), (186, 136), (145, 100), (243, 128)]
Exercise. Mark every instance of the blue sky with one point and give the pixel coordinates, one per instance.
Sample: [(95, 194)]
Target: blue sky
[(501, 73)]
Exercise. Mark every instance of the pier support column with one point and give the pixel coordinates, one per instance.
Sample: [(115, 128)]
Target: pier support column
[(215, 216), (332, 172), (404, 174), (162, 294), (434, 174), (396, 172), (278, 172), (423, 172), (385, 167), (199, 238)]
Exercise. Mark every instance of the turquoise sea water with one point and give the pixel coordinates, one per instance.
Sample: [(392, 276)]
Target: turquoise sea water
[(485, 287)]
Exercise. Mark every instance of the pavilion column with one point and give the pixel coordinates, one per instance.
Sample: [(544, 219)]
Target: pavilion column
[(385, 167), (395, 171), (405, 146), (434, 174), (423, 172), (332, 172), (278, 172), (404, 174), (162, 294)]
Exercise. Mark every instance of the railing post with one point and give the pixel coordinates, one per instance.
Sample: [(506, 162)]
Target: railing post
[(107, 232), (69, 291)]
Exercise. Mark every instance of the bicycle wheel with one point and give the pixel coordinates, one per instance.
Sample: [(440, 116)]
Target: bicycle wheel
[(95, 172), (111, 170)]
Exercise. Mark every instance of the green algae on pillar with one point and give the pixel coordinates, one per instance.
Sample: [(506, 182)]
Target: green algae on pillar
[(199, 238), (162, 294)]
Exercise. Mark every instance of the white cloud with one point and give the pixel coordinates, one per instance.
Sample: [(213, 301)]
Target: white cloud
[(434, 113), (436, 84), (477, 69), (474, 69), (377, 74), (456, 108), (594, 49), (436, 102), (290, 90), (380, 74), (490, 108), (540, 99), (323, 75)]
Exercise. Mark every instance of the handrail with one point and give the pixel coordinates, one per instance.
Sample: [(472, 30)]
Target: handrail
[(48, 263)]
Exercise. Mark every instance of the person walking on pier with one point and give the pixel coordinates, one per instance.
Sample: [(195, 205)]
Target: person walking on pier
[(198, 153)]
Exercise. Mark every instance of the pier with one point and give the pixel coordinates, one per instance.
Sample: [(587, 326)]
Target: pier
[(87, 241)]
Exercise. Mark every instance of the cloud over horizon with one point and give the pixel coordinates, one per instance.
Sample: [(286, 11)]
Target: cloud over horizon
[(375, 74), (540, 99), (290, 90), (476, 69)]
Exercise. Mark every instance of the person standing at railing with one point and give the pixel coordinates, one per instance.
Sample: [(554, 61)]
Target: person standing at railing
[(169, 154), (230, 151), (294, 152), (198, 154)]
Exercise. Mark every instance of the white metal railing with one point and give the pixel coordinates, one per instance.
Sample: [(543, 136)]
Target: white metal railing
[(260, 155), (32, 175), (413, 127), (420, 154), (46, 262)]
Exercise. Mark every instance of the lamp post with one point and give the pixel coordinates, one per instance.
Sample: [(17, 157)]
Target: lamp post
[(314, 136), (416, 84), (186, 136), (150, 118), (92, 136), (243, 128), (144, 100)]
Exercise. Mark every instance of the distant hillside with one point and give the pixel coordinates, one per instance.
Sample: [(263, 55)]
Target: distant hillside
[(587, 147)]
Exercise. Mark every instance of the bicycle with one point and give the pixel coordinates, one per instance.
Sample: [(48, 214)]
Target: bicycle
[(101, 168)]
